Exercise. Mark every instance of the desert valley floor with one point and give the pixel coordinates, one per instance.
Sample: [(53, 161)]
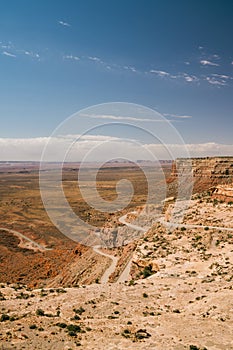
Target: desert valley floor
[(176, 294)]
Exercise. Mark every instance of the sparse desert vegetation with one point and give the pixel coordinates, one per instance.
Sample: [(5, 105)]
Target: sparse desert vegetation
[(177, 296)]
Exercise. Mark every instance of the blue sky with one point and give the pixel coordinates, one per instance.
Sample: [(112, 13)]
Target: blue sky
[(57, 57)]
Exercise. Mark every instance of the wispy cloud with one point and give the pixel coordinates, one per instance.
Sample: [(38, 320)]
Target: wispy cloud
[(6, 46), (217, 82), (71, 57), (189, 78), (160, 73), (9, 49), (184, 77), (110, 66), (177, 116), (208, 63), (222, 76), (131, 68), (87, 137), (6, 53), (95, 59), (64, 24), (218, 79), (31, 54), (120, 118)]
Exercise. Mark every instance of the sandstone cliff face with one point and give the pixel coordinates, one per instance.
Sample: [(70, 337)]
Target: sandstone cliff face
[(224, 193), (206, 172)]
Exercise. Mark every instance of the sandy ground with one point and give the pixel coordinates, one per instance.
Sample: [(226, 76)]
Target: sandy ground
[(173, 313), (25, 242), (186, 305)]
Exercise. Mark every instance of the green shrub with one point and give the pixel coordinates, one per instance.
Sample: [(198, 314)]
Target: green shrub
[(76, 317), (22, 296), (74, 328), (72, 334), (33, 326), (2, 296), (40, 312), (126, 333), (142, 334), (131, 283), (61, 325), (4, 317), (147, 271), (79, 311)]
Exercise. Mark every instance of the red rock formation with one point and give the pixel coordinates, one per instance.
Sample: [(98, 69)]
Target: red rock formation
[(206, 172)]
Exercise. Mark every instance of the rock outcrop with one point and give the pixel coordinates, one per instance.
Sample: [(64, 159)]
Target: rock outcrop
[(206, 172), (224, 193)]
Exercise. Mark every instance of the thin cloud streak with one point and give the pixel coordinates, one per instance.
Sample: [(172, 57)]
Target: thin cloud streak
[(208, 63), (64, 24), (6, 53), (71, 57), (160, 73), (222, 76), (177, 116), (31, 54), (190, 78), (120, 118), (214, 80), (132, 69), (95, 59)]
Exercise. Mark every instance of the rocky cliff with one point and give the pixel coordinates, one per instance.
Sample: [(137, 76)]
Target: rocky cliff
[(206, 172)]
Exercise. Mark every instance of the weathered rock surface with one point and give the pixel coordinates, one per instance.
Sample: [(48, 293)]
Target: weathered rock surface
[(206, 172)]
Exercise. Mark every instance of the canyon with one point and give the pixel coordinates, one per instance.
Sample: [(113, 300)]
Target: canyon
[(177, 294)]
